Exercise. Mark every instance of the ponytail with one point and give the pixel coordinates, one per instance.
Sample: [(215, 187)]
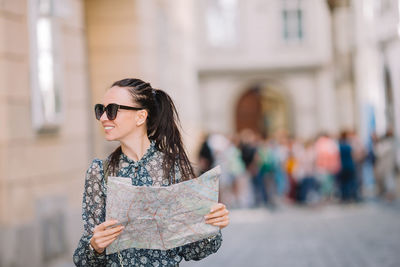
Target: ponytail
[(162, 127)]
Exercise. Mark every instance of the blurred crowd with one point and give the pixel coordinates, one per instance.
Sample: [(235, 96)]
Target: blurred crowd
[(261, 171)]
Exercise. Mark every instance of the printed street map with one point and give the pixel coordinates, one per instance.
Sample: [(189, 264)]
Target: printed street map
[(162, 217)]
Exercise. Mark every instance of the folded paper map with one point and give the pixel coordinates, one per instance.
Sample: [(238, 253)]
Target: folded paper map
[(161, 217)]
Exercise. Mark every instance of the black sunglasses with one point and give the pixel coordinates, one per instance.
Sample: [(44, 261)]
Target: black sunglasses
[(111, 110)]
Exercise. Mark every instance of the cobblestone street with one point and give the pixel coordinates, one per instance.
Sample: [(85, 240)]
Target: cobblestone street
[(366, 235)]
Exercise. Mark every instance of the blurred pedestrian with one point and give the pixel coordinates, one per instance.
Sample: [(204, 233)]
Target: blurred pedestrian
[(347, 175), (225, 154), (241, 185), (307, 190), (248, 147), (359, 156), (369, 168), (206, 157), (266, 171), (385, 167), (280, 153), (290, 167), (327, 164)]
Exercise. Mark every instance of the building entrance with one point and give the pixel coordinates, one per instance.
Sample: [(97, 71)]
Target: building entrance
[(263, 110)]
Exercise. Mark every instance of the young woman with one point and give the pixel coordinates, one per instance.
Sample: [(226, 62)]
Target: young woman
[(144, 121)]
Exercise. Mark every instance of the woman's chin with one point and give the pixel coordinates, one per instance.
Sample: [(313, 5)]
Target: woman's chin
[(109, 137)]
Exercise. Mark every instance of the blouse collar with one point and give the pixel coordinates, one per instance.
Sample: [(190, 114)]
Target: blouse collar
[(149, 152)]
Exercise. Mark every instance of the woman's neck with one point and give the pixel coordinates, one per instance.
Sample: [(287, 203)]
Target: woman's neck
[(135, 148)]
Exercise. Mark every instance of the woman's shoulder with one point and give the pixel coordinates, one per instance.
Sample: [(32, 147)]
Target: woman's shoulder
[(96, 163), (95, 168)]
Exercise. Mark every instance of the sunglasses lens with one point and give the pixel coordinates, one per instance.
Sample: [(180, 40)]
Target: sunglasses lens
[(98, 110), (111, 111)]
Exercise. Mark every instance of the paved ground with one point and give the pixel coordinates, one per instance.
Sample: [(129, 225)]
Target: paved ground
[(364, 235)]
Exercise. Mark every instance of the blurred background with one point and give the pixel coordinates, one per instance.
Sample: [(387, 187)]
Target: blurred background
[(297, 100)]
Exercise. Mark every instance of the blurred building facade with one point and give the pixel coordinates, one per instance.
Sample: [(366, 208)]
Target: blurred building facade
[(305, 66), (366, 58), (274, 66), (44, 138), (302, 66), (377, 67)]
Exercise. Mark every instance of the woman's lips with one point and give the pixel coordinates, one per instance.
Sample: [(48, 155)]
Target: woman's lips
[(108, 128)]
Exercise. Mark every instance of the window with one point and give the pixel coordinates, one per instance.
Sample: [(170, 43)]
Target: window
[(292, 18), (46, 91), (221, 22), (385, 6)]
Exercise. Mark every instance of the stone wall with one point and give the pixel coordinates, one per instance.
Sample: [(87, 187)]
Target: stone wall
[(41, 174)]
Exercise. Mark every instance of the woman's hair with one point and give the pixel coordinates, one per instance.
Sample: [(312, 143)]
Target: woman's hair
[(162, 127)]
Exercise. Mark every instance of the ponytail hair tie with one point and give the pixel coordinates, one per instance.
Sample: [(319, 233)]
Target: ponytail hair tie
[(154, 91)]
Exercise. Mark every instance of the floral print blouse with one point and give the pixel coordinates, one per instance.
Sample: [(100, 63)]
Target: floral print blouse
[(145, 172)]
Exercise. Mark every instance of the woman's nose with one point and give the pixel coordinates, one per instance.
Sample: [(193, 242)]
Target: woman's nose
[(104, 116)]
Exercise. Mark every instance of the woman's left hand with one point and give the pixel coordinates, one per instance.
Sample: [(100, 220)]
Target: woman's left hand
[(218, 216)]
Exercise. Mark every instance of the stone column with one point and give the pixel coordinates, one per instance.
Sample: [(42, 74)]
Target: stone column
[(368, 73), (393, 54), (326, 101)]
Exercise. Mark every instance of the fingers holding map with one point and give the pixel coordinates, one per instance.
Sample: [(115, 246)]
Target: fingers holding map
[(162, 217), (218, 216)]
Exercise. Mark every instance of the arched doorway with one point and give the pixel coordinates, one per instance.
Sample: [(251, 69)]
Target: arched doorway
[(263, 110), (249, 111)]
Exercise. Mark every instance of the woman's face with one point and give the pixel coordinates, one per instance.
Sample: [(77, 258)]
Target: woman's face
[(127, 122)]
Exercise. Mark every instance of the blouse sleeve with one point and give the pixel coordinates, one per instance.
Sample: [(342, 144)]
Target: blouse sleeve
[(93, 211), (201, 249)]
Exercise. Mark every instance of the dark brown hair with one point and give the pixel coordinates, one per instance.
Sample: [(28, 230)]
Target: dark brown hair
[(162, 127)]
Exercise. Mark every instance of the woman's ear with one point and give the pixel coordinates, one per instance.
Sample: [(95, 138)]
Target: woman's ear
[(141, 117)]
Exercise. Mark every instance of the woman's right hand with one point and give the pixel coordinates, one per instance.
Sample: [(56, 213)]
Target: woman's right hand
[(104, 234)]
